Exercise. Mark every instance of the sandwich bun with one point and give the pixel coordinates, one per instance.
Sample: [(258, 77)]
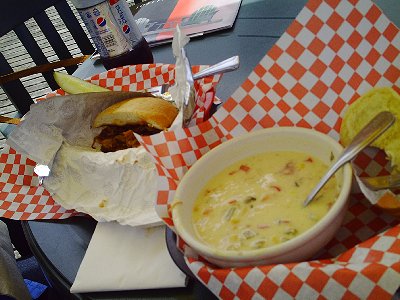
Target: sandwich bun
[(142, 110), (143, 114), (363, 110)]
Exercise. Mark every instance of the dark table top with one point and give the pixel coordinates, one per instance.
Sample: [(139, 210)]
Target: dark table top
[(60, 245)]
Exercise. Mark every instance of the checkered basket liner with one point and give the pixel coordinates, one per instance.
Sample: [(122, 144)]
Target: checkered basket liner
[(333, 52), (22, 198)]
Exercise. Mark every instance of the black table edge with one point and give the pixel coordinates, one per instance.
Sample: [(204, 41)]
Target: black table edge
[(53, 276)]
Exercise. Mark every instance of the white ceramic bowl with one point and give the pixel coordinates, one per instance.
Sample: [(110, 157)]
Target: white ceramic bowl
[(300, 248)]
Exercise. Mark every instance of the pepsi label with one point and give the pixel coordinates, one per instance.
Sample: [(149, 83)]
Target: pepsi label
[(112, 27), (127, 23)]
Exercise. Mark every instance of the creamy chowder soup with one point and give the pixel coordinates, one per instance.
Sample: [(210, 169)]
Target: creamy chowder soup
[(258, 202)]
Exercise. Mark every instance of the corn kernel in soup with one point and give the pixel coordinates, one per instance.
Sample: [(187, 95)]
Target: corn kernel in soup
[(258, 202)]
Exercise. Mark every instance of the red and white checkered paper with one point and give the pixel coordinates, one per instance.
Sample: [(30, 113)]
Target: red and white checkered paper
[(22, 198), (332, 53)]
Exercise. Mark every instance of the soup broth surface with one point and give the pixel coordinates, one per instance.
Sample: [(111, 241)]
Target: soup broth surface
[(258, 202)]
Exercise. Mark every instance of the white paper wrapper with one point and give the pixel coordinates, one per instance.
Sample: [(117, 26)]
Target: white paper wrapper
[(123, 188), (118, 186), (181, 86), (371, 195)]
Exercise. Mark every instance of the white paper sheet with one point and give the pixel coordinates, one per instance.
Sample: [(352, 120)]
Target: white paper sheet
[(125, 258), (116, 186)]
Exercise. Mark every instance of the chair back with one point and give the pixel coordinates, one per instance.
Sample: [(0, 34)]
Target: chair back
[(13, 17)]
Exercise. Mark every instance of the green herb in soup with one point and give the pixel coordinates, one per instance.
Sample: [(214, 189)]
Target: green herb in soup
[(258, 202)]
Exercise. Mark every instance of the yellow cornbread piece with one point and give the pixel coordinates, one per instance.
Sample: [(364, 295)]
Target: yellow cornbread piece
[(363, 110)]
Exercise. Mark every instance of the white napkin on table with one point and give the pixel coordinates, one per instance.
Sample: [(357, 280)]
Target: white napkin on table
[(127, 258)]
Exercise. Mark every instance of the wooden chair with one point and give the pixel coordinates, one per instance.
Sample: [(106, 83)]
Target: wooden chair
[(12, 18)]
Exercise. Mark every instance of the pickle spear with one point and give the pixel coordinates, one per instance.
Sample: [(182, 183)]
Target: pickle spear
[(74, 85)]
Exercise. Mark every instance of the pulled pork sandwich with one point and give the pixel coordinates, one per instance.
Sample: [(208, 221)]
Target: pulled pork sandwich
[(144, 115)]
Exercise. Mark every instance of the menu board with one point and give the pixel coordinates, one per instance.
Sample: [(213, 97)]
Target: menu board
[(157, 19)]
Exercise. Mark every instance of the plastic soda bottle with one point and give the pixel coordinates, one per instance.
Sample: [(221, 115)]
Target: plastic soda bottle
[(114, 32)]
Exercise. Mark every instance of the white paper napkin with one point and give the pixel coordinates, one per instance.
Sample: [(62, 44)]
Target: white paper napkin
[(125, 258)]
